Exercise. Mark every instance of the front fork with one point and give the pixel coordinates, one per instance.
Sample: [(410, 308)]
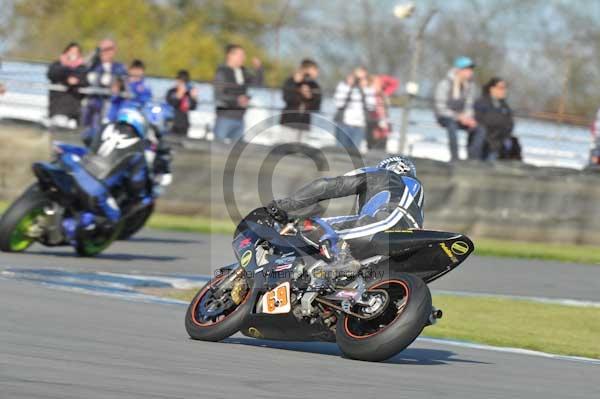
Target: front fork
[(228, 282)]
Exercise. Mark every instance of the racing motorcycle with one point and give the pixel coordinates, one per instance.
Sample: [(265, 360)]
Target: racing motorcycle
[(38, 214), (271, 292)]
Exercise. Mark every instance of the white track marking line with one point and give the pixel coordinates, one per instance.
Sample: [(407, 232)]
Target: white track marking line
[(180, 283)]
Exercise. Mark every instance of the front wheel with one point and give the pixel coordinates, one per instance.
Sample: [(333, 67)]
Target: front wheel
[(19, 224), (136, 222), (97, 241), (406, 314), (212, 318)]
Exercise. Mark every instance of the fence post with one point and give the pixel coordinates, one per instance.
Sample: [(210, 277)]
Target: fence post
[(412, 83)]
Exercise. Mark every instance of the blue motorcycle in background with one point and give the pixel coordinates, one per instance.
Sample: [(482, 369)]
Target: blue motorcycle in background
[(90, 197)]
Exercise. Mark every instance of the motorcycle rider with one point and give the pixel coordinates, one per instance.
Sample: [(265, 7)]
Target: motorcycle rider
[(389, 196), (115, 163)]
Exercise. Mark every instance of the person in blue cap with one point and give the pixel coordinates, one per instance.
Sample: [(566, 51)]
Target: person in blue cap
[(454, 108)]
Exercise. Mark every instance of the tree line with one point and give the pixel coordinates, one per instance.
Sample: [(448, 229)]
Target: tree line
[(547, 50)]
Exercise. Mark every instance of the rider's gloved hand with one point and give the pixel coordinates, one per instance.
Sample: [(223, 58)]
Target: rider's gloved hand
[(164, 179), (277, 213)]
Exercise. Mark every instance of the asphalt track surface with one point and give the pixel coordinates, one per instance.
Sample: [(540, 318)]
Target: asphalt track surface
[(63, 344)]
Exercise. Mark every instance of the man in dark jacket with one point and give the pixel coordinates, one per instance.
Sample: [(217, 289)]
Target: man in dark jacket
[(69, 72), (302, 96), (183, 99), (104, 73), (231, 92), (493, 113)]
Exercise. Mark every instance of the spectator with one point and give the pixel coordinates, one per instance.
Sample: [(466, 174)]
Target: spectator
[(354, 99), (454, 100), (378, 133), (103, 73), (136, 92), (495, 116), (302, 96), (183, 98), (69, 72), (2, 89), (231, 92), (595, 130)]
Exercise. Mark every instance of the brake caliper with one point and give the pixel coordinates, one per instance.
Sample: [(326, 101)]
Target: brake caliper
[(239, 290)]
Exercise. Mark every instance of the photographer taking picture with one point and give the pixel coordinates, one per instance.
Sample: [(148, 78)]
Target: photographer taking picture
[(302, 96), (183, 98), (354, 99)]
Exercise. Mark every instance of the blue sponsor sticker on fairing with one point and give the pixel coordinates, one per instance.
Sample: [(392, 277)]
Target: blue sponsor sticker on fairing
[(287, 259)]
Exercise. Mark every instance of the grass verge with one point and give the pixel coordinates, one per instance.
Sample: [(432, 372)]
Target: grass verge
[(536, 250), (563, 330), (194, 224)]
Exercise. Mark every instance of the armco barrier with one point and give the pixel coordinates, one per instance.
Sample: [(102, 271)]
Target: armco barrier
[(503, 200)]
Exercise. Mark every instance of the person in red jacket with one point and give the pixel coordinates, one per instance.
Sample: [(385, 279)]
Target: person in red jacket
[(183, 98), (380, 128)]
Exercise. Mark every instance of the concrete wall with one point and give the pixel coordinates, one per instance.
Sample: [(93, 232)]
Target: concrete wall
[(19, 146), (505, 200)]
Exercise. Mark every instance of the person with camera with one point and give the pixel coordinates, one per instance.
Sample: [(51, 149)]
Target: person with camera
[(355, 100), (69, 72), (183, 98), (302, 96)]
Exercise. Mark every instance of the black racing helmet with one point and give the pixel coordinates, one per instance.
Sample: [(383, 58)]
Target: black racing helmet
[(400, 165)]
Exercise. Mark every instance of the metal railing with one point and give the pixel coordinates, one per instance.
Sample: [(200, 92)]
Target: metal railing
[(544, 143)]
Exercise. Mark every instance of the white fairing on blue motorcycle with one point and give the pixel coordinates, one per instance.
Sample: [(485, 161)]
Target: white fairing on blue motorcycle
[(113, 139)]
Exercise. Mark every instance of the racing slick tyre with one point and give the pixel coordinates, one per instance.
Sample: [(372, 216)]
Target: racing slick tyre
[(407, 312), (19, 218), (220, 324), (136, 222), (98, 240)]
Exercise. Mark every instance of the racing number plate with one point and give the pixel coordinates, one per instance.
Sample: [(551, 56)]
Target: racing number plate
[(277, 301)]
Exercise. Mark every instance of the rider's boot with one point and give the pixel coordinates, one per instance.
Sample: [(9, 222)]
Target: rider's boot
[(74, 228), (339, 265)]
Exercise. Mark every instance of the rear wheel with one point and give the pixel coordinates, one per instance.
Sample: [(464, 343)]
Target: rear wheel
[(19, 224), (406, 314), (212, 318)]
